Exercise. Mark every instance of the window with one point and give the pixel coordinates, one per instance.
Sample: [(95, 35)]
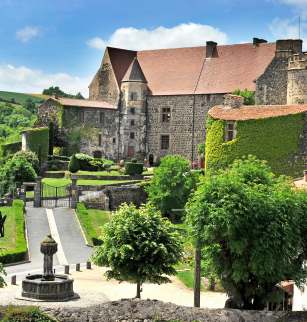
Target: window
[(101, 117), (114, 140), (166, 115), (132, 110), (100, 137), (133, 96), (164, 142), (132, 123), (208, 97), (81, 116), (97, 155), (132, 135), (229, 132)]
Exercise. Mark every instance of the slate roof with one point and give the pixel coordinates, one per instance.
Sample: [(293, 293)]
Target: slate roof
[(134, 73), (84, 103), (247, 112), (176, 71)]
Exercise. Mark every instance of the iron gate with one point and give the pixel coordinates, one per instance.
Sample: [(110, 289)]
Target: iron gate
[(55, 196)]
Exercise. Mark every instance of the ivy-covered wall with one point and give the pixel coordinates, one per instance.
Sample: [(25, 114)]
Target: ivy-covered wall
[(39, 136), (281, 141), (10, 148)]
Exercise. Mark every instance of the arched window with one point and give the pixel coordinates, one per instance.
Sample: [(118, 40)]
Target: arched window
[(97, 154)]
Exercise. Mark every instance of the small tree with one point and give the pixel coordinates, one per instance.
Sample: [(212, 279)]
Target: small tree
[(172, 183), (252, 230), (51, 137), (249, 96), (139, 246), (31, 157), (73, 165)]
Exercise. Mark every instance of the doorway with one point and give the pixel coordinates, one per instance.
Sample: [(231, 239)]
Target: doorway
[(203, 164), (131, 151), (151, 159)]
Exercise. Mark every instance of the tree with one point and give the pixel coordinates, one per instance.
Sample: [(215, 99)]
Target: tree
[(31, 157), (79, 96), (139, 245), (249, 96), (2, 271), (172, 183), (252, 230), (30, 106), (51, 137), (73, 165)]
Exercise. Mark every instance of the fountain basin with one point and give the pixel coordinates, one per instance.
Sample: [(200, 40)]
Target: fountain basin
[(61, 289)]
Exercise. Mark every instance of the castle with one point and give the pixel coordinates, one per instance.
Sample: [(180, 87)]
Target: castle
[(155, 102)]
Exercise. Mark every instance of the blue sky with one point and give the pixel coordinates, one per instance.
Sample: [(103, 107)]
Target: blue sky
[(61, 43)]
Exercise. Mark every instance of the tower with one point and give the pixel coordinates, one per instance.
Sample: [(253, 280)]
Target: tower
[(133, 111)]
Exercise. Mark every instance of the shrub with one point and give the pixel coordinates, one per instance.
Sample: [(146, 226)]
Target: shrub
[(31, 157), (133, 168), (105, 160), (83, 215), (84, 157), (134, 160), (21, 248), (54, 168), (83, 160), (73, 165), (157, 163), (115, 167), (96, 164), (121, 163), (107, 165)]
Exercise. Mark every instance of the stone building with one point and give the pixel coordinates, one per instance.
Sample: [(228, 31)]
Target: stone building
[(156, 101)]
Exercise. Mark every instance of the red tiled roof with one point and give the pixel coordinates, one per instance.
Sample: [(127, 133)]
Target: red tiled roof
[(246, 112), (176, 71), (288, 286), (84, 103)]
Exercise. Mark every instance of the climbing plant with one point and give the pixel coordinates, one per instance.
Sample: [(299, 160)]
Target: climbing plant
[(274, 139), (39, 137)]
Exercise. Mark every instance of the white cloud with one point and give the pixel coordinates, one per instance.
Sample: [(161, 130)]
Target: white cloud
[(301, 7), (184, 35), (244, 42), (25, 80), (27, 33)]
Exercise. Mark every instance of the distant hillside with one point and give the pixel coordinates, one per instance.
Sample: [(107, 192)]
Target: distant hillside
[(21, 98)]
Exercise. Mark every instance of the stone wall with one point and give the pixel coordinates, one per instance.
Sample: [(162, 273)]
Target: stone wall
[(136, 310), (271, 86), (103, 186), (187, 117), (129, 193)]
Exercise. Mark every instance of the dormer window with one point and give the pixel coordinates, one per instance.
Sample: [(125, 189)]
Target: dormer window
[(133, 96)]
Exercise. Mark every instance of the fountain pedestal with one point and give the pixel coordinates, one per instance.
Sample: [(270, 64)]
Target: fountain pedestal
[(47, 286)]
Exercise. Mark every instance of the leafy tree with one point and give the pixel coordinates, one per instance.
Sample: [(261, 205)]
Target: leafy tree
[(138, 245), (172, 183), (60, 93), (249, 96), (51, 137), (22, 111), (30, 106), (6, 109), (17, 120), (252, 230), (2, 271), (31, 157), (73, 165), (79, 96)]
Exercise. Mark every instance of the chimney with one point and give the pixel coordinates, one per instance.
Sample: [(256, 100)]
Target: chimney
[(232, 101), (257, 41), (210, 46), (287, 47), (55, 95)]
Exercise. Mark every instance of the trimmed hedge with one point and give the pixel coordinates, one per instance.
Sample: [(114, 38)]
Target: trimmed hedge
[(11, 147), (133, 168), (39, 136), (84, 217), (21, 247)]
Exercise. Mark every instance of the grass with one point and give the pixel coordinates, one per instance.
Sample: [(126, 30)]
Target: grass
[(187, 278), (99, 173), (147, 172), (10, 236), (20, 98), (98, 219), (181, 266), (180, 224)]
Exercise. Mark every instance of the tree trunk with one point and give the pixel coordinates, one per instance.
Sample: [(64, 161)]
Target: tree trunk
[(138, 290), (197, 278)]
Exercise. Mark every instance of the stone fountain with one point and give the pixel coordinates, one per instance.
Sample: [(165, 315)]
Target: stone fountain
[(48, 287)]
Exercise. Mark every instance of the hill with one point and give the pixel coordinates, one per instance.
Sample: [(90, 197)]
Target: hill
[(21, 98)]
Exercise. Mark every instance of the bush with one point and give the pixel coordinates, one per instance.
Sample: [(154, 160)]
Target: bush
[(84, 157), (105, 160), (133, 168), (84, 162), (134, 160), (54, 168), (115, 167), (83, 215), (107, 165), (121, 163), (157, 163), (21, 247), (96, 164), (73, 165), (31, 157)]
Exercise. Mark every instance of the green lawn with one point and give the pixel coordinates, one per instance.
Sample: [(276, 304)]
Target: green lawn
[(20, 97), (147, 172), (181, 266), (9, 239), (99, 173), (187, 278), (180, 224), (98, 219)]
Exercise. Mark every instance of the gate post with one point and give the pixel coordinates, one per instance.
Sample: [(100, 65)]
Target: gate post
[(37, 192), (23, 194), (74, 193)]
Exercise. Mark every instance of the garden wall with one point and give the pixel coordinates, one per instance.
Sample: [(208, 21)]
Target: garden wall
[(136, 310), (129, 193), (61, 175), (104, 186)]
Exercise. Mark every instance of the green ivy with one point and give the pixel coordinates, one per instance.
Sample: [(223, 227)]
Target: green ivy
[(274, 139), (39, 137), (10, 147)]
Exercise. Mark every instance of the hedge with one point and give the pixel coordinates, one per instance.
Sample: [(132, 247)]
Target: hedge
[(133, 168), (21, 247), (11, 147), (39, 136), (83, 216)]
